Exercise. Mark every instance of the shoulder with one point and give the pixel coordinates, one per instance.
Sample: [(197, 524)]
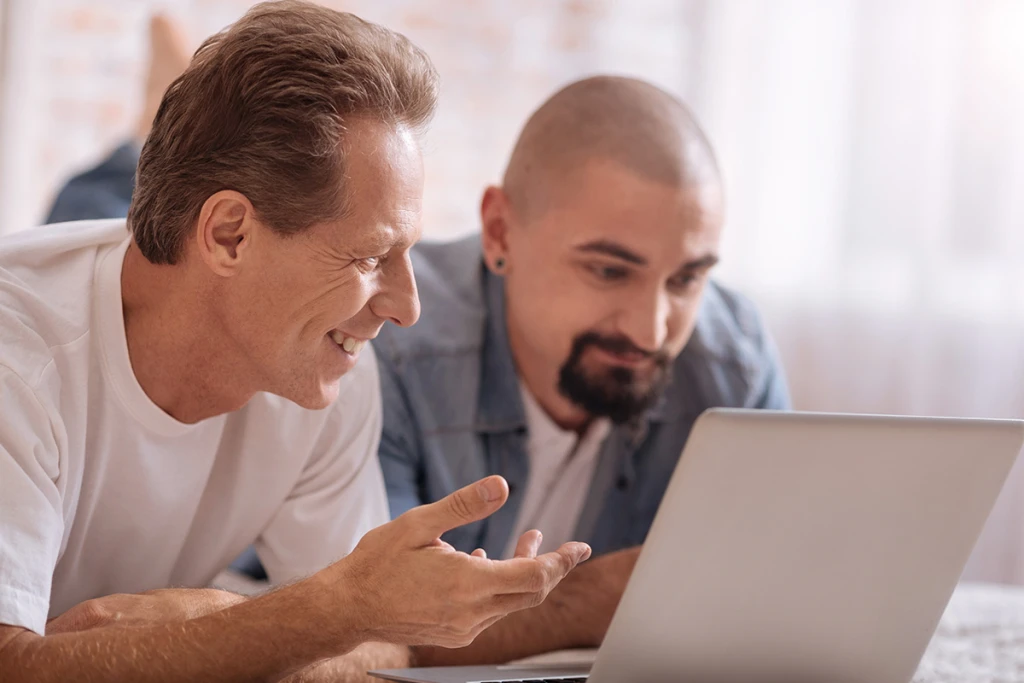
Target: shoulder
[(730, 356), (30, 424), (47, 246), (46, 286), (729, 328)]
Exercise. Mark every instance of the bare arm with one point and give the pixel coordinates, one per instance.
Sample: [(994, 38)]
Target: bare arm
[(260, 639), (576, 614), (178, 604), (400, 585), (352, 667)]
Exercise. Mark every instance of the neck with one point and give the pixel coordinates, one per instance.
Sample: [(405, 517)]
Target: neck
[(542, 383), (179, 353)]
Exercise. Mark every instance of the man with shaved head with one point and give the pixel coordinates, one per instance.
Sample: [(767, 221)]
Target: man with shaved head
[(574, 351)]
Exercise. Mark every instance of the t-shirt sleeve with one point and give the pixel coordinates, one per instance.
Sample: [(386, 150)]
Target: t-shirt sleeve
[(340, 495), (31, 521)]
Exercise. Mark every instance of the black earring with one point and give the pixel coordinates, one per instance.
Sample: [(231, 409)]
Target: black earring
[(499, 264)]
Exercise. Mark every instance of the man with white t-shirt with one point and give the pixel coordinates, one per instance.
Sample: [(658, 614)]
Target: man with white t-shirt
[(179, 386)]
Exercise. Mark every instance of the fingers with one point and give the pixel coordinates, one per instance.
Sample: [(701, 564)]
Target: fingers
[(565, 559), (492, 621), (572, 554), (542, 573), (532, 578), (469, 504), (504, 605), (529, 544), (479, 552), (560, 562)]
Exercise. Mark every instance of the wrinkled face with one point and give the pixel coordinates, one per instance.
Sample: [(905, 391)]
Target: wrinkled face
[(603, 287), (304, 307)]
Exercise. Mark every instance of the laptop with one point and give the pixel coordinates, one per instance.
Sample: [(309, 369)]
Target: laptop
[(795, 548)]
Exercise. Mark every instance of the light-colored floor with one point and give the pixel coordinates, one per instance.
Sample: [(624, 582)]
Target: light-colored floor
[(979, 640)]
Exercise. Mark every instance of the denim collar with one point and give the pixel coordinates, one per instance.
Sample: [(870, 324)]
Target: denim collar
[(500, 406)]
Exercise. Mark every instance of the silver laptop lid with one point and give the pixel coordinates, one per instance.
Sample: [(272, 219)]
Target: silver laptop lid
[(806, 547)]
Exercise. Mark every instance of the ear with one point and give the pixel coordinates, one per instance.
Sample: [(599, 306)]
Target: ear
[(225, 231), (495, 217)]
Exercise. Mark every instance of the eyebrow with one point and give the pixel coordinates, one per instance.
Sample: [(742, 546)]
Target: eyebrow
[(616, 250), (380, 242), (703, 263), (609, 248)]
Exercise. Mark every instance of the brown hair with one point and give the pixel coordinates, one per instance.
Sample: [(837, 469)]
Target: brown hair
[(262, 110)]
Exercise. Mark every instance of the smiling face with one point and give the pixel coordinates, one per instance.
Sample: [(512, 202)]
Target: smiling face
[(603, 287), (303, 306)]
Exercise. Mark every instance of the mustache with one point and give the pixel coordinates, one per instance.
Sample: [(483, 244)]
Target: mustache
[(616, 344)]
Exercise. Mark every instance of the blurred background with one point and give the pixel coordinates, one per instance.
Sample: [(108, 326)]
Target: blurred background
[(873, 152)]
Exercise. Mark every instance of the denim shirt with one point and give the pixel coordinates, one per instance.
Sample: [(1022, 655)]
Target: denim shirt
[(453, 412), (104, 191)]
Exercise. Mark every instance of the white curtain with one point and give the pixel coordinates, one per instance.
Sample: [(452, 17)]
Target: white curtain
[(874, 156)]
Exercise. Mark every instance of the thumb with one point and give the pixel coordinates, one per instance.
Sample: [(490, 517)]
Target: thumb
[(469, 504)]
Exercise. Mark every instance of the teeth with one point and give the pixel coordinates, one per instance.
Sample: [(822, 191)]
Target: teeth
[(348, 343)]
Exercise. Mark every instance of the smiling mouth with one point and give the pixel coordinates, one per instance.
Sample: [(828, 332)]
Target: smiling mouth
[(349, 345)]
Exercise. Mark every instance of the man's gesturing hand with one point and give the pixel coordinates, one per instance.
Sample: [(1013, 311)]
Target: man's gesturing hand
[(414, 589)]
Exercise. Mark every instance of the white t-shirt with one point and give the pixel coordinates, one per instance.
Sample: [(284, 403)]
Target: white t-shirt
[(102, 492), (561, 471)]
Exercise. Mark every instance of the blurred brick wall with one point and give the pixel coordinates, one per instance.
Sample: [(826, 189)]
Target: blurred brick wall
[(498, 60)]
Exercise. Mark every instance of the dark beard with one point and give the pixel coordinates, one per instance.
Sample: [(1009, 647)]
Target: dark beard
[(616, 393)]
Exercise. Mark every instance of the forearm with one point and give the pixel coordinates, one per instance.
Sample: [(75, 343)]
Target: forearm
[(352, 667), (152, 607), (266, 638)]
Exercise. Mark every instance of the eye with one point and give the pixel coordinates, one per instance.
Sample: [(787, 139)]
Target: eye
[(371, 263), (608, 273), (684, 280)]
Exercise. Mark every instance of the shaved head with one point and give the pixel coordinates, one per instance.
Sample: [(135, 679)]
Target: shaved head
[(615, 119), (604, 232)]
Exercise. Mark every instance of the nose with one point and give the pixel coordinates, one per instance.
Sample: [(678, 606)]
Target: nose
[(645, 319), (398, 301)]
